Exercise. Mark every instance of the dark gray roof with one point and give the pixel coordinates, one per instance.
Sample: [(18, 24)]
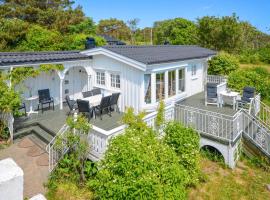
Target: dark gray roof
[(161, 53), (24, 58)]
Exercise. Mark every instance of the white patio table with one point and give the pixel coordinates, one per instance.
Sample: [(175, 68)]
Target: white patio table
[(231, 95), (31, 99), (94, 100)]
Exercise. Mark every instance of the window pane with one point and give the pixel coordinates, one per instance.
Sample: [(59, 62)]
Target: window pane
[(160, 86), (147, 88), (193, 70), (171, 83), (115, 80), (181, 80), (100, 78)]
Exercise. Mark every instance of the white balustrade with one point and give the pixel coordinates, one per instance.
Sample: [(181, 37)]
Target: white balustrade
[(213, 124), (216, 79)]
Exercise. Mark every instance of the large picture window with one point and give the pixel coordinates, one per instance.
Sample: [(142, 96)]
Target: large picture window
[(147, 88), (115, 80), (160, 86), (171, 89), (100, 78), (181, 80)]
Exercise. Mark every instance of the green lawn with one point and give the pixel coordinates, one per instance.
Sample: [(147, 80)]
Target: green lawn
[(267, 66), (244, 182)]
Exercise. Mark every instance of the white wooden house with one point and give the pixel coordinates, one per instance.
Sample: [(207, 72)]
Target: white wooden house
[(147, 74), (143, 75)]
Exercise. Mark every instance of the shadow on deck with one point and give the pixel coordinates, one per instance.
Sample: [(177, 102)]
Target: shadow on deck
[(198, 101)]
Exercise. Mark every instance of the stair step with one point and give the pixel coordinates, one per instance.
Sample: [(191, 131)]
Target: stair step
[(22, 132), (37, 141), (42, 134)]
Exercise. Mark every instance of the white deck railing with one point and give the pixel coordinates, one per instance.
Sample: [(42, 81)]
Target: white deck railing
[(257, 132), (99, 140), (150, 119), (215, 125), (216, 79), (56, 152)]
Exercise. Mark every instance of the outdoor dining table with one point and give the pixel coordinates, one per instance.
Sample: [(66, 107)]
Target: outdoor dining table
[(229, 94), (93, 100), (96, 99)]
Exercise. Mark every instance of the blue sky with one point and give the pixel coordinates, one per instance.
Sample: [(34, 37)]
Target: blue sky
[(255, 11)]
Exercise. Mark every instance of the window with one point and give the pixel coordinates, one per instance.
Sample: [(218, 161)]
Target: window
[(100, 78), (147, 88), (171, 84), (160, 86), (181, 80), (193, 70), (115, 80)]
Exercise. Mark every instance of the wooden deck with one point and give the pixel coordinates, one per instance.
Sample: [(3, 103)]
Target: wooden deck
[(53, 120), (198, 101)]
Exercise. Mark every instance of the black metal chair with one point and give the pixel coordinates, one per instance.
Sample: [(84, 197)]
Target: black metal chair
[(96, 91), (23, 107), (72, 104), (87, 94), (114, 102), (84, 108), (45, 98), (247, 97), (211, 96), (104, 105)]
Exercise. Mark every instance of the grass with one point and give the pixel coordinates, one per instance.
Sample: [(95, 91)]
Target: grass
[(69, 191), (266, 66), (246, 182)]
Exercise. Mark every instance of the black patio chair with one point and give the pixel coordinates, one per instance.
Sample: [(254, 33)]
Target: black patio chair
[(84, 108), (96, 91), (104, 105), (87, 94), (23, 107), (45, 98), (247, 97), (211, 96), (114, 102), (72, 104)]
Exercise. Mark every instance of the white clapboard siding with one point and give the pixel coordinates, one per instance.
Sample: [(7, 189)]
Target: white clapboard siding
[(131, 80)]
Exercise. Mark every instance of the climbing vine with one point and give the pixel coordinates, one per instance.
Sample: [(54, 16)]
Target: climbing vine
[(18, 75), (51, 67)]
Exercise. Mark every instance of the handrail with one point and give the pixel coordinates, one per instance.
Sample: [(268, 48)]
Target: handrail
[(256, 132), (215, 124), (60, 132), (216, 79), (208, 111)]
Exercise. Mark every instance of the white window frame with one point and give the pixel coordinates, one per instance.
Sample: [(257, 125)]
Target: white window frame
[(99, 80), (113, 80)]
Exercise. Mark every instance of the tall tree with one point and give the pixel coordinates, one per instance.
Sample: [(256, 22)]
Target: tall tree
[(115, 28), (175, 31), (57, 14), (133, 27)]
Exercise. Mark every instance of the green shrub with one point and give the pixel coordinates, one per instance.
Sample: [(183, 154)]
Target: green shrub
[(185, 142), (257, 77), (223, 64), (139, 166), (249, 56), (265, 54)]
